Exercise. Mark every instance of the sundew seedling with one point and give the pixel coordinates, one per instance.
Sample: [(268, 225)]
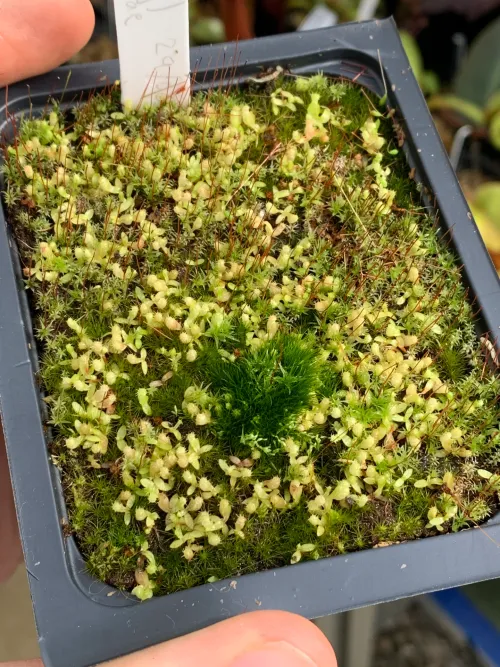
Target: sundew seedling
[(255, 347)]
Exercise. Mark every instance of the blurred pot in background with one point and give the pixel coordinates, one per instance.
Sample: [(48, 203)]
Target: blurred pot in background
[(270, 17), (436, 22), (237, 18)]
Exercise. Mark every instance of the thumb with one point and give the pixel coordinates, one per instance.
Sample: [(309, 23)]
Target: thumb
[(258, 639), (37, 35)]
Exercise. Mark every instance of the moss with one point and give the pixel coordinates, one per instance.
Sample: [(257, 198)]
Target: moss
[(255, 344), (263, 392), (452, 364)]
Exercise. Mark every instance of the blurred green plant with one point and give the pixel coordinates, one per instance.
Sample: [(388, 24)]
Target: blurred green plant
[(462, 111), (484, 202), (428, 81), (298, 9), (479, 76), (206, 26), (475, 95)]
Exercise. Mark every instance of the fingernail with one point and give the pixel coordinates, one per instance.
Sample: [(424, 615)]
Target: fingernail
[(277, 654)]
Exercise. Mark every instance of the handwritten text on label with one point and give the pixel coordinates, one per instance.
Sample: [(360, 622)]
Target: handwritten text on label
[(153, 42)]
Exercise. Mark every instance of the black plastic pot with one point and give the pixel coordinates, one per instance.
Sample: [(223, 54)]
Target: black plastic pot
[(82, 621)]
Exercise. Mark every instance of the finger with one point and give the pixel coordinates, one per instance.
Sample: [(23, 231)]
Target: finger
[(10, 546), (258, 639), (37, 35)]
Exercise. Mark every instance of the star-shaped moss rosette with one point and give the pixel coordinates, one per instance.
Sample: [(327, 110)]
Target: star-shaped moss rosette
[(255, 348)]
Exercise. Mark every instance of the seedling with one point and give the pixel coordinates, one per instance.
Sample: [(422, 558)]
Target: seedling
[(255, 345)]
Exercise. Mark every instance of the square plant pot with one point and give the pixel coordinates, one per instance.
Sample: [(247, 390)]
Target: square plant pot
[(84, 621)]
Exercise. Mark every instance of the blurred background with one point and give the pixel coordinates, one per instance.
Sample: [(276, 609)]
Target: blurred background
[(454, 49)]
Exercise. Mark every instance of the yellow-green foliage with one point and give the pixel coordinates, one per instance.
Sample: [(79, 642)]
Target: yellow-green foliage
[(254, 347)]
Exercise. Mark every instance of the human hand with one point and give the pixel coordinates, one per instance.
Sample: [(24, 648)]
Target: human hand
[(38, 35), (258, 639)]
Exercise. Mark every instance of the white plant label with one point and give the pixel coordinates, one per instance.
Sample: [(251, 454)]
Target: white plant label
[(153, 45), (366, 10)]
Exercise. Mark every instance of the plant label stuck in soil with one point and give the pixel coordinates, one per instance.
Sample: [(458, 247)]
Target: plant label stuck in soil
[(153, 44)]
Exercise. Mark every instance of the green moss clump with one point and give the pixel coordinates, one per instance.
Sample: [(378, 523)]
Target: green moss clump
[(255, 346), (262, 393)]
